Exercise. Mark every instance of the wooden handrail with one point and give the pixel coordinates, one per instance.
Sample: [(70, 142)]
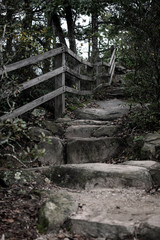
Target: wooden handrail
[(31, 60), (59, 74)]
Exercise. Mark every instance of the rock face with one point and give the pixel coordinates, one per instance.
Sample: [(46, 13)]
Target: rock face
[(53, 152), (100, 175), (55, 211), (87, 150), (151, 145)]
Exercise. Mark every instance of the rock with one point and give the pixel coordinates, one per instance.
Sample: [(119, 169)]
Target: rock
[(20, 177), (55, 212), (37, 133), (152, 166), (150, 230), (111, 230), (108, 131), (38, 112), (88, 122), (55, 128), (151, 146), (86, 131), (109, 110), (53, 152), (100, 175), (91, 150)]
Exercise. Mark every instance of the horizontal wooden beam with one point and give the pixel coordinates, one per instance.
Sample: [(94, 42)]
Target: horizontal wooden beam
[(79, 59), (75, 91), (102, 64), (80, 76), (29, 106), (34, 81), (31, 60)]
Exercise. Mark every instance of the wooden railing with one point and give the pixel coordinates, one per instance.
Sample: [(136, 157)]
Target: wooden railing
[(82, 71)]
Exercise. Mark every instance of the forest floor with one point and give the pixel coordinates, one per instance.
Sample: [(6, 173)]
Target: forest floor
[(19, 206)]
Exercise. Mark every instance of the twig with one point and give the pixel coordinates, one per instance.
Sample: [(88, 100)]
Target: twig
[(13, 156)]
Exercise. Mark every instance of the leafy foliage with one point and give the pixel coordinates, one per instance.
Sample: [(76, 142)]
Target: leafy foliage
[(16, 145)]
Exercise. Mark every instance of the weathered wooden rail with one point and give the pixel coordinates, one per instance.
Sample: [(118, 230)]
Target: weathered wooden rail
[(92, 75)]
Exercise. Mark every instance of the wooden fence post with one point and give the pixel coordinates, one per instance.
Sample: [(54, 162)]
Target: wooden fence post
[(60, 82)]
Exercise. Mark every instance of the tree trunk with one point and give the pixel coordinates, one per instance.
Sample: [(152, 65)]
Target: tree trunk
[(71, 27), (55, 23), (95, 51)]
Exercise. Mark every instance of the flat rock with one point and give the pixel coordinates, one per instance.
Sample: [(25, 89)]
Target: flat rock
[(109, 110), (86, 131), (85, 176), (152, 166), (87, 150), (53, 152), (81, 122)]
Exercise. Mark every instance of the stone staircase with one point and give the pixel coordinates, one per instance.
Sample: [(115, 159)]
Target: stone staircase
[(114, 201)]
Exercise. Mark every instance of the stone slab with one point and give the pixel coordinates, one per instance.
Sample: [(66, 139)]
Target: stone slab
[(86, 131), (117, 214), (108, 110), (81, 122), (91, 150), (152, 166), (100, 175)]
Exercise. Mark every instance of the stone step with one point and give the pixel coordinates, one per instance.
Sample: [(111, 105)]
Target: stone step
[(91, 150), (108, 110), (116, 214), (86, 131), (101, 175), (70, 122), (152, 166)]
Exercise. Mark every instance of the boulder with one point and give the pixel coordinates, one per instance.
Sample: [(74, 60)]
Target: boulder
[(55, 212), (37, 133), (53, 152), (54, 128), (17, 176), (91, 150), (151, 147)]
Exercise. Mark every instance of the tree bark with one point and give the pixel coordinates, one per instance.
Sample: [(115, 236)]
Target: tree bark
[(95, 51), (71, 28), (55, 22)]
